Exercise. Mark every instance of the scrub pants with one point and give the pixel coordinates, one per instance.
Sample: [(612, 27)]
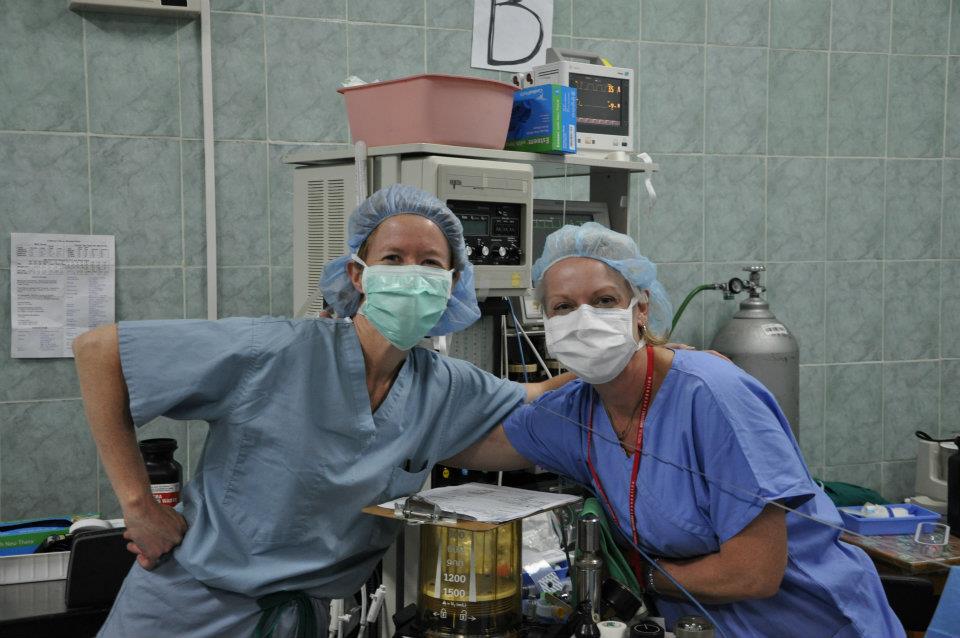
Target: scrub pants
[(168, 601)]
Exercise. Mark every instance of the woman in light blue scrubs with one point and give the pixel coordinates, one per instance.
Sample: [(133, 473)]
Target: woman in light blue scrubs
[(687, 453), (310, 421)]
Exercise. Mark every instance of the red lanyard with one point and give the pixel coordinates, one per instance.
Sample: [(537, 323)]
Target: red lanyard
[(644, 405)]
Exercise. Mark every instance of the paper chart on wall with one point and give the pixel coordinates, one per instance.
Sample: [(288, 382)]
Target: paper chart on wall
[(60, 287)]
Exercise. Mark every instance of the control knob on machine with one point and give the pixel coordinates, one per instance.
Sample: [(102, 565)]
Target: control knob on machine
[(502, 251), (469, 251), (484, 250)]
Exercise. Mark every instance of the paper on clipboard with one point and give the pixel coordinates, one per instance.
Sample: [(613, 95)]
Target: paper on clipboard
[(491, 503)]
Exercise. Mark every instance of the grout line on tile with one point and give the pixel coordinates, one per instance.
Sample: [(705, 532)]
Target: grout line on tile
[(883, 231), (943, 170), (425, 36), (266, 167), (86, 99), (183, 211), (769, 24), (346, 38), (47, 400), (766, 138), (826, 206), (33, 132)]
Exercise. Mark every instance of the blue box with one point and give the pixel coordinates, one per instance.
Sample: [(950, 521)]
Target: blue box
[(544, 119), (880, 526)]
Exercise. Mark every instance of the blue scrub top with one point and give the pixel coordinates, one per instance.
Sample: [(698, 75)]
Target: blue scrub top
[(293, 452), (711, 417)]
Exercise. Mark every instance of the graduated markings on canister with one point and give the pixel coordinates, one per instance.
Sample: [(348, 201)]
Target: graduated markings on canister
[(436, 586), (473, 572), (775, 330)]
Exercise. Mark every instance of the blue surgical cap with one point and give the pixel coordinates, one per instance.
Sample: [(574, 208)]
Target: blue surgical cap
[(617, 251), (399, 199)]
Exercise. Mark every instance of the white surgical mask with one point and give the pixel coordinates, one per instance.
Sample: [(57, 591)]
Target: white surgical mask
[(596, 344)]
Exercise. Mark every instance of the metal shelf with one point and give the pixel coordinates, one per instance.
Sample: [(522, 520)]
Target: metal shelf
[(190, 9), (544, 165), (609, 178)]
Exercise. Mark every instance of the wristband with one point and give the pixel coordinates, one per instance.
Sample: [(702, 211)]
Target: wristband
[(650, 588)]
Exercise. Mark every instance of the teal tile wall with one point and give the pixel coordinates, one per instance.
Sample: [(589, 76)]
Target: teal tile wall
[(860, 25), (800, 24), (821, 137), (858, 104), (133, 75), (797, 106)]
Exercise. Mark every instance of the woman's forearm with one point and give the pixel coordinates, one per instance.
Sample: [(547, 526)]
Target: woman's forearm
[(97, 357), (708, 580), (153, 529), (535, 390), (749, 565)]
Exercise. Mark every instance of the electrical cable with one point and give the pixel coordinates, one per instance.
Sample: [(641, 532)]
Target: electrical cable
[(732, 487), (523, 332), (543, 364), (523, 361)]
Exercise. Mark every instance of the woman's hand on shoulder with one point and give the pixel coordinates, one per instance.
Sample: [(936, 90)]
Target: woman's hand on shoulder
[(153, 530), (683, 346)]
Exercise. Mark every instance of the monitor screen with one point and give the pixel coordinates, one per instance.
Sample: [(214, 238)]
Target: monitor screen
[(474, 226), (603, 104), (545, 223)]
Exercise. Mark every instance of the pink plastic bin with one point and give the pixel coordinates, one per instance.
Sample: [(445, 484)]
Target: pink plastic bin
[(433, 108)]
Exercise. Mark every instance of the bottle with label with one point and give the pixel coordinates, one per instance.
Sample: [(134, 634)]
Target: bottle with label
[(164, 472)]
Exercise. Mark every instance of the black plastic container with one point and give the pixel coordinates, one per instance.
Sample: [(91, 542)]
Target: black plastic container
[(646, 629), (164, 472)]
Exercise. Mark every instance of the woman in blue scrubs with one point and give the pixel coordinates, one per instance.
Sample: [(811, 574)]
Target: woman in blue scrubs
[(687, 453), (309, 422)]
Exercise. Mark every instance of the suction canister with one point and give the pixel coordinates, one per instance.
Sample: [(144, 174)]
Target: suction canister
[(470, 582), (761, 345)]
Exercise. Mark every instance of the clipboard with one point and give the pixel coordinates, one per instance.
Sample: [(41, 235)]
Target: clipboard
[(472, 506)]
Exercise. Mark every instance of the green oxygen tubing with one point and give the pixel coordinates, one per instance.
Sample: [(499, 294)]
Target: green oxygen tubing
[(687, 300)]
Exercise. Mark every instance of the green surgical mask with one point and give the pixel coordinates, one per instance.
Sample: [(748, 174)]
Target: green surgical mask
[(404, 302)]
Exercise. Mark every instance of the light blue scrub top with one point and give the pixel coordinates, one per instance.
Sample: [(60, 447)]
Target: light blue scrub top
[(293, 452), (712, 417)]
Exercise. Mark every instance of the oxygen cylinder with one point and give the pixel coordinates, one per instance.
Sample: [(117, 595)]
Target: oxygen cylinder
[(755, 340)]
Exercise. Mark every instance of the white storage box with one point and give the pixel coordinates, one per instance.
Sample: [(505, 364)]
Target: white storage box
[(31, 568)]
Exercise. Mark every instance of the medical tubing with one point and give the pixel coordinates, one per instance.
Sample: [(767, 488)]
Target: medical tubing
[(523, 361), (335, 606), (363, 611), (673, 580), (687, 300), (723, 484), (543, 364)]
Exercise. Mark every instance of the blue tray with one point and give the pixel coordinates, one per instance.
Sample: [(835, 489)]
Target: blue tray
[(878, 526)]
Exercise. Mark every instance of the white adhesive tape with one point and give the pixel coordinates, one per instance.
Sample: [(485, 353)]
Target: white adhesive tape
[(89, 523), (612, 629), (648, 182)]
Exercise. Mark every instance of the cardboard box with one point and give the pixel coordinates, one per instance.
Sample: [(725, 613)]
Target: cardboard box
[(22, 537), (544, 120)]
